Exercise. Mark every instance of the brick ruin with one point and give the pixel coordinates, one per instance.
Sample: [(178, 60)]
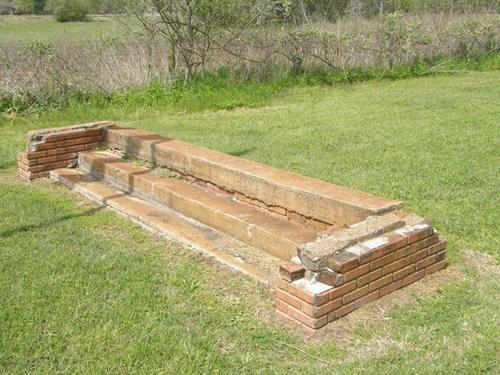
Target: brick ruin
[(325, 249)]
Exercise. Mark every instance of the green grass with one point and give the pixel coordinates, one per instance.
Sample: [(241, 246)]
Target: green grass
[(82, 290), (22, 30)]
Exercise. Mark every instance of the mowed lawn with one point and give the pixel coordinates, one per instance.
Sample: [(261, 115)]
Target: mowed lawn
[(83, 290)]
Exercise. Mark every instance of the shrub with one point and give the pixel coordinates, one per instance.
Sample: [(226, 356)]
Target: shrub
[(71, 11)]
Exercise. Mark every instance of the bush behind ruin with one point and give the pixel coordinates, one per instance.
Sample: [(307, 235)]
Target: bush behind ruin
[(71, 11)]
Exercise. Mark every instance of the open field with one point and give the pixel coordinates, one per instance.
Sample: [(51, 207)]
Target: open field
[(82, 290), (22, 30)]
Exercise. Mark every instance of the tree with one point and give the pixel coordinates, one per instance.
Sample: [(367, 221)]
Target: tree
[(25, 6), (194, 29)]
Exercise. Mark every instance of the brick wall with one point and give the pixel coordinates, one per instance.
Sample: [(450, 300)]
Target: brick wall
[(50, 149), (354, 280)]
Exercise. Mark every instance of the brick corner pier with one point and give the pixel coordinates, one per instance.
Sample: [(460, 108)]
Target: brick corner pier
[(326, 249)]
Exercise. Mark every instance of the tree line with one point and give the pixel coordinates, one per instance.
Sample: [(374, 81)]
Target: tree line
[(295, 10)]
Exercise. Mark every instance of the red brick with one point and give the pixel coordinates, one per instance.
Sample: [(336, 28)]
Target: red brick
[(366, 299), (48, 159), (382, 261), (27, 176), (94, 132), (435, 267), (307, 320), (331, 278), (396, 242), (74, 148), (286, 297), (308, 297), (39, 168), (371, 254), (361, 270), (341, 312), (71, 155), (404, 272), (358, 293), (282, 284), (30, 162), (394, 266), (441, 245), (22, 157), (426, 262), (317, 311), (24, 167), (83, 140), (343, 262), (282, 306), (55, 137), (370, 277), (420, 235), (291, 271), (55, 151), (36, 154), (308, 330), (391, 287), (341, 290), (380, 282), (50, 146), (66, 135), (414, 277), (78, 134), (416, 246), (415, 257)]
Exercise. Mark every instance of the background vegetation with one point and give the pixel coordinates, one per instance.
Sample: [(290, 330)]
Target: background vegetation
[(169, 44)]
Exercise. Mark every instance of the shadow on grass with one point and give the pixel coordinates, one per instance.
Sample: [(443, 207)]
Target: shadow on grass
[(30, 227), (242, 152)]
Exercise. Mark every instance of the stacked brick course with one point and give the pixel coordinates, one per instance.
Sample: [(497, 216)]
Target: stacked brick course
[(362, 273), (51, 149)]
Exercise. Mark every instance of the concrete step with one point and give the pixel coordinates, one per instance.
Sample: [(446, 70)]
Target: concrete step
[(312, 198), (275, 235), (170, 224)]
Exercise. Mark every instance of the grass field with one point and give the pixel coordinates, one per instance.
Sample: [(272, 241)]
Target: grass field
[(22, 30), (82, 290)]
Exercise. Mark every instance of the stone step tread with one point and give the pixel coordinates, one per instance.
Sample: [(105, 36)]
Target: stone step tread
[(227, 250), (107, 164), (306, 195)]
